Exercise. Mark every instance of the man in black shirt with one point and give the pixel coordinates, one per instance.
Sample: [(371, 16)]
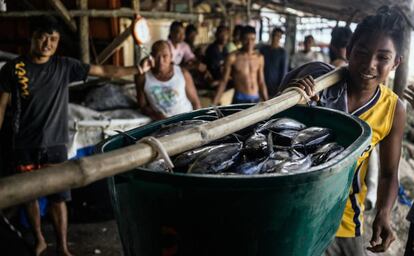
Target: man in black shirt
[(216, 53), (276, 62), (35, 89)]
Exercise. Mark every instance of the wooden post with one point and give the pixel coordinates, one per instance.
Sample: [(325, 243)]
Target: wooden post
[(64, 13), (261, 30), (84, 33), (137, 49), (114, 45), (170, 5), (248, 11), (24, 187), (401, 74), (136, 6), (290, 34), (190, 6)]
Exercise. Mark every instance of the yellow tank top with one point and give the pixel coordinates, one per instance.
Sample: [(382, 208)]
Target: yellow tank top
[(379, 114)]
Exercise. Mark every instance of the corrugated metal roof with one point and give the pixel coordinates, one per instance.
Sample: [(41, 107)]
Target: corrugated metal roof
[(347, 10), (353, 10)]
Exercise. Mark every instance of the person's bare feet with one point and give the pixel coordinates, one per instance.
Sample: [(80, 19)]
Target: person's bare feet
[(65, 253), (40, 247)]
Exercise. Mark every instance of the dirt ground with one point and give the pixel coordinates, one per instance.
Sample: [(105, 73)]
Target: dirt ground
[(92, 228), (99, 238)]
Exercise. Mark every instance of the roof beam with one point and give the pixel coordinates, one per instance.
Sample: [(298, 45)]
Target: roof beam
[(123, 12), (114, 45), (64, 14)]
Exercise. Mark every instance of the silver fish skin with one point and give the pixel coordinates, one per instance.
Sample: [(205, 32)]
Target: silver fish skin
[(183, 160), (326, 152), (250, 167), (256, 144), (287, 154), (158, 165), (312, 137), (218, 159), (280, 124), (284, 137), (286, 166)]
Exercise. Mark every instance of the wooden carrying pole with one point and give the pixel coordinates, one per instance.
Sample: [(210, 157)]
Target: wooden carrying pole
[(21, 188)]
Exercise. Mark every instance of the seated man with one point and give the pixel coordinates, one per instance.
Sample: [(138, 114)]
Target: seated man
[(165, 89), (190, 36), (181, 51), (246, 68)]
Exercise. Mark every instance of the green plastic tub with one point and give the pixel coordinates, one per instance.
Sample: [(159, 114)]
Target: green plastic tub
[(189, 214)]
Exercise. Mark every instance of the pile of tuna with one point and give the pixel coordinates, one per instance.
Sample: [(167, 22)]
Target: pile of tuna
[(281, 146)]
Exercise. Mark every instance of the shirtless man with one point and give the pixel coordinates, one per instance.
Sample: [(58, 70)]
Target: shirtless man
[(245, 67)]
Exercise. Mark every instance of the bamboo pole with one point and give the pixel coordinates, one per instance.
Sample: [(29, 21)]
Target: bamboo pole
[(84, 33), (114, 45), (21, 188), (123, 12), (64, 13)]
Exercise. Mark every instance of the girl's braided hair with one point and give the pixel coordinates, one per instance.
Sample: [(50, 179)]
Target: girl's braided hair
[(388, 20)]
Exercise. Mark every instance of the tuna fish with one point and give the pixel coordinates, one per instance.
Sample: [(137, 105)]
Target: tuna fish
[(326, 153), (218, 159), (281, 146), (256, 145), (273, 165), (287, 153), (310, 138), (183, 160), (280, 124), (284, 137), (250, 167)]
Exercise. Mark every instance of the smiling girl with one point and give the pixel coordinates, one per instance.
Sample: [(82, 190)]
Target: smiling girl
[(373, 52)]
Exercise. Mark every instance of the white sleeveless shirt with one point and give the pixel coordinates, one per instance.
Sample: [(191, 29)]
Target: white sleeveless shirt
[(167, 97)]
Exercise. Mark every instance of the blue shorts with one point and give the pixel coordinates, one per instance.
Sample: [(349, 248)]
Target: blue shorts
[(28, 160), (240, 98)]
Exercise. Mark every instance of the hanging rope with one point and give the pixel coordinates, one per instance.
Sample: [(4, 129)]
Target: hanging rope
[(157, 146)]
